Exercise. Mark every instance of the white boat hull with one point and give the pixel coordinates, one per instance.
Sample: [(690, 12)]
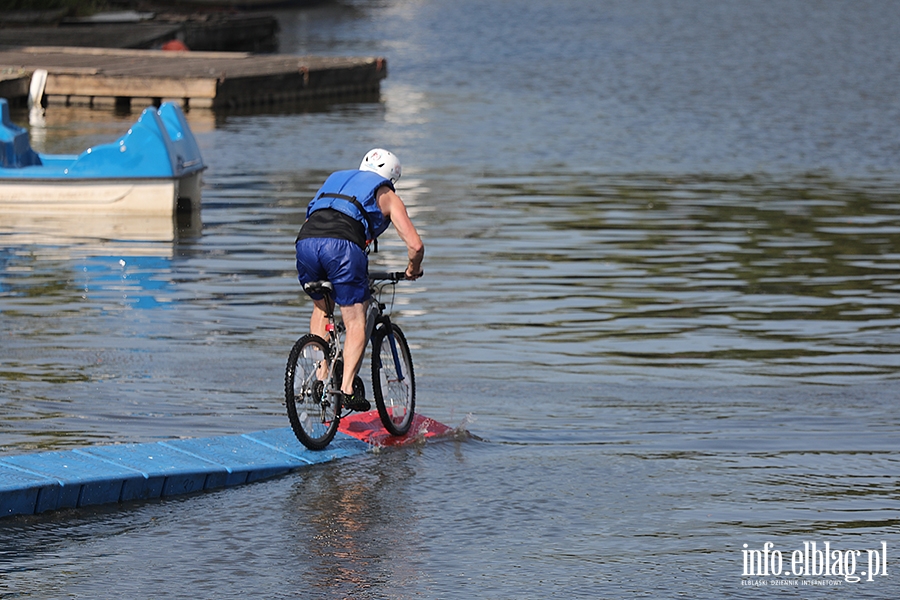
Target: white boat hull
[(125, 197)]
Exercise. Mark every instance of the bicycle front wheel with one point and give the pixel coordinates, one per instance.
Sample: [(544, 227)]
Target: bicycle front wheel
[(314, 413), (393, 379)]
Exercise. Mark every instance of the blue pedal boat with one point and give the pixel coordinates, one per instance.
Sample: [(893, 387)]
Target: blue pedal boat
[(154, 169)]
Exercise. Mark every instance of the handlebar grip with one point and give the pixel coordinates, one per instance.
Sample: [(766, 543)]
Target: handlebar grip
[(393, 276)]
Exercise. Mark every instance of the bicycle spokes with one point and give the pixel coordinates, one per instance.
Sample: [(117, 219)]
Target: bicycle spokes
[(313, 412), (393, 379)]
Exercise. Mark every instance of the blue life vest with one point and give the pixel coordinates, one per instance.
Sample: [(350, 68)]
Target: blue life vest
[(353, 193)]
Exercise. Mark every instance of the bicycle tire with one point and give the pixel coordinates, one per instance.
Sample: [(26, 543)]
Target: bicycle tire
[(314, 420), (394, 397)]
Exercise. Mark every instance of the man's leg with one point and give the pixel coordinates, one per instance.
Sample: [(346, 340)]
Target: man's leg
[(318, 320), (354, 316)]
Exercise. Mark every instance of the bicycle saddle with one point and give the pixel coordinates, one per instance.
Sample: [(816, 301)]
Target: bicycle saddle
[(318, 287)]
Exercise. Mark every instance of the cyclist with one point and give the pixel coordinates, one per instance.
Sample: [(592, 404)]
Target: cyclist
[(350, 210)]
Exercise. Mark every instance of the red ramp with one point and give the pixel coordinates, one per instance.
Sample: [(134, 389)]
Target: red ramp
[(368, 428)]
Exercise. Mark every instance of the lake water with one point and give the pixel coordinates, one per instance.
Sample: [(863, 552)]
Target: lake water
[(662, 289)]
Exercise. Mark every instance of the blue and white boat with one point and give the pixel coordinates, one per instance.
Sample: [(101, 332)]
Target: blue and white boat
[(154, 169)]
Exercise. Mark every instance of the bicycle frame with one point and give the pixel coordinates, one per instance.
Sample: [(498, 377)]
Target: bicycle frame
[(375, 312), (376, 308)]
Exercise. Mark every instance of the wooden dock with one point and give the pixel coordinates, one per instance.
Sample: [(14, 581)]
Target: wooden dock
[(204, 31), (102, 77)]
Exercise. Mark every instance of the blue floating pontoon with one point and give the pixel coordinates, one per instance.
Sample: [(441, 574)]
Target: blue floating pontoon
[(35, 483)]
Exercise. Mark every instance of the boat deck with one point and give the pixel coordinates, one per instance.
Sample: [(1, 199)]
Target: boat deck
[(118, 77)]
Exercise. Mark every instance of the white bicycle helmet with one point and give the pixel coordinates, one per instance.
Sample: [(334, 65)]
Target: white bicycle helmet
[(382, 162)]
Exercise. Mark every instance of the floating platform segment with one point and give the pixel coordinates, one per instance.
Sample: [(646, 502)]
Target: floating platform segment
[(101, 77), (40, 482)]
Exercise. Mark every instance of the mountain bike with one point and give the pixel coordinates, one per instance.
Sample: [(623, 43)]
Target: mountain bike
[(312, 379)]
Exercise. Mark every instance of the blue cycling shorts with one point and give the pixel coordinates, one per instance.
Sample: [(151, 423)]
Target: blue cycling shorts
[(341, 262)]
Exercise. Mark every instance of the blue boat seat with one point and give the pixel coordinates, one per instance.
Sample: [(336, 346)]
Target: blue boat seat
[(15, 151)]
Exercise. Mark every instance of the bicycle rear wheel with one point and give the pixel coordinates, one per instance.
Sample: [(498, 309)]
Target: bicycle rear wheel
[(314, 413), (393, 379)]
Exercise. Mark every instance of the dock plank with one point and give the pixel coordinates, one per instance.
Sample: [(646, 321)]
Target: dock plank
[(131, 86), (197, 79)]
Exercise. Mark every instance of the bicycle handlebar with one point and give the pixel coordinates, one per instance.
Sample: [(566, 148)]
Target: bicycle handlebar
[(393, 276)]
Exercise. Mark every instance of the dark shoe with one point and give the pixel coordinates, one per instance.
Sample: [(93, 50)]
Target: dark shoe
[(355, 402)]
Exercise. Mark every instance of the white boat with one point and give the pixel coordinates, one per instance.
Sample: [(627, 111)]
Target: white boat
[(154, 169)]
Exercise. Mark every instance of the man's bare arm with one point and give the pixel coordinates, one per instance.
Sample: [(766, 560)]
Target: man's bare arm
[(394, 209)]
